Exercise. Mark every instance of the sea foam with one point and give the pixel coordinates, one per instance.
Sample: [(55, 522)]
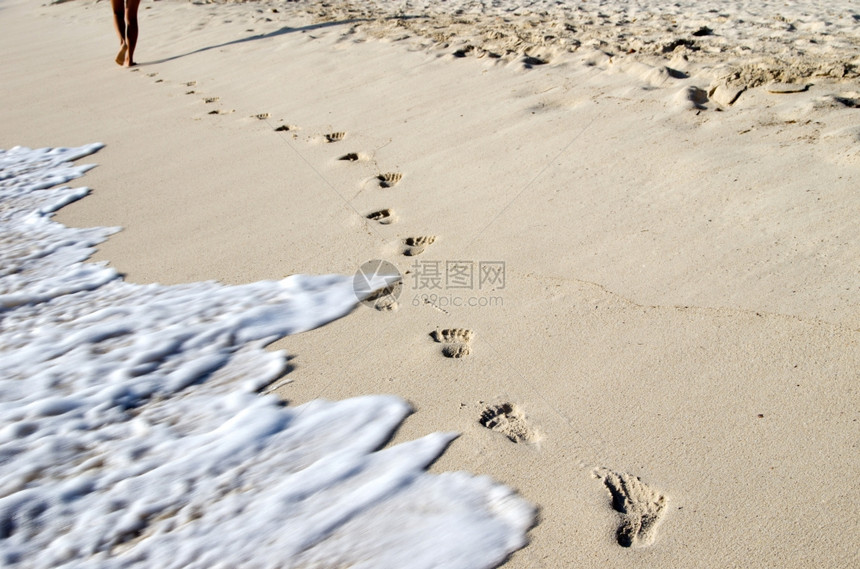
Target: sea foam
[(133, 431)]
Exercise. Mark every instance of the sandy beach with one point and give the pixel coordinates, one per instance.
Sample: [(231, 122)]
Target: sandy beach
[(627, 233)]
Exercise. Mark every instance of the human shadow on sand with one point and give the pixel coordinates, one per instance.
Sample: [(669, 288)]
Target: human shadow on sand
[(276, 33)]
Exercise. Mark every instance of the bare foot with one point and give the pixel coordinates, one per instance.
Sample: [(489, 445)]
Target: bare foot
[(120, 57)]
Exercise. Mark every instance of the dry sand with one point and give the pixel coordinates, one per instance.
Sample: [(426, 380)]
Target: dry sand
[(674, 196)]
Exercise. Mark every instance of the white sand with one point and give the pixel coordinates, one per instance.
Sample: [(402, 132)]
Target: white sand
[(682, 298)]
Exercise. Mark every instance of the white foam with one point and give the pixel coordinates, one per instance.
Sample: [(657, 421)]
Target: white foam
[(132, 432)]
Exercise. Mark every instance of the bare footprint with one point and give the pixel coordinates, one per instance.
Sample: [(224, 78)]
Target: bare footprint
[(641, 507), (389, 179), (416, 245), (509, 420), (457, 341), (209, 100), (335, 136), (384, 300), (382, 216), (449, 335), (456, 350)]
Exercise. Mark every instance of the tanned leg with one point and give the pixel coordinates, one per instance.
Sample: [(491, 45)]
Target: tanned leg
[(131, 29), (118, 7)]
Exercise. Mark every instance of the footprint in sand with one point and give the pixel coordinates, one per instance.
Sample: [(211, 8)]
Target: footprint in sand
[(458, 342), (335, 136), (350, 157), (384, 300), (449, 335), (382, 216), (456, 351), (221, 112), (190, 83), (261, 116), (416, 245), (389, 179), (509, 420), (641, 507), (209, 100), (286, 128), (191, 92)]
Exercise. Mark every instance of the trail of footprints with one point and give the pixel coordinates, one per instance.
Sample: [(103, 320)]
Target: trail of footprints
[(413, 245), (640, 508)]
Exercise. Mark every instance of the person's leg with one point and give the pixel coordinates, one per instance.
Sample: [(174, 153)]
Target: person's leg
[(118, 7), (131, 29)]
